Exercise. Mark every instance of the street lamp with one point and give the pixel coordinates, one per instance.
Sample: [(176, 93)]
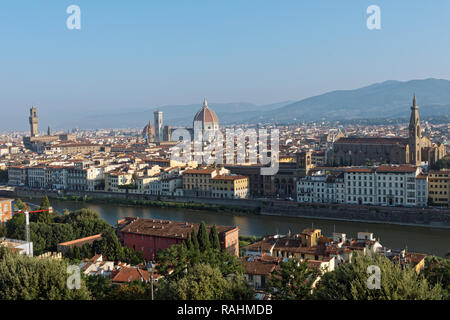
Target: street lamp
[(151, 268)]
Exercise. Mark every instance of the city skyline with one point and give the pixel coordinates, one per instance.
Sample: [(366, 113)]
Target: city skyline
[(255, 151), (139, 56)]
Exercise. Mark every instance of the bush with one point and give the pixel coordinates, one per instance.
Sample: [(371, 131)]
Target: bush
[(25, 278)]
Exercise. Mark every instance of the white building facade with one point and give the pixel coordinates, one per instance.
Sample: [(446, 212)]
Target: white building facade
[(386, 185)]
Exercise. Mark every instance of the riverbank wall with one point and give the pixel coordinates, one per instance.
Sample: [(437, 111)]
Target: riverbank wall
[(428, 217), (435, 218)]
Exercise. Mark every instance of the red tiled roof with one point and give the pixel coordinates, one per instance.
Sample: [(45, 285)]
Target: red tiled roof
[(258, 267), (131, 274), (199, 171), (400, 168), (166, 228), (205, 114), (94, 237), (227, 177), (368, 170)]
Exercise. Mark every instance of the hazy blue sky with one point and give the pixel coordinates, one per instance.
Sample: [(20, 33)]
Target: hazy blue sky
[(139, 54)]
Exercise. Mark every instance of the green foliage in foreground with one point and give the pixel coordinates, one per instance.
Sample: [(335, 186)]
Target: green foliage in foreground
[(47, 230), (25, 278), (198, 249), (198, 269), (293, 280), (204, 282), (102, 289), (437, 271), (349, 282)]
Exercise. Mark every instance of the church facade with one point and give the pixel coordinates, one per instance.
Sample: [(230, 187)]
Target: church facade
[(412, 150)]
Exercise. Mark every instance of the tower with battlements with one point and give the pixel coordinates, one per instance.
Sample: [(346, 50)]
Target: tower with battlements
[(33, 119)]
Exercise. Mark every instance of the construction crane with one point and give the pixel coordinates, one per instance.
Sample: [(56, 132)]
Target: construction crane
[(27, 225)]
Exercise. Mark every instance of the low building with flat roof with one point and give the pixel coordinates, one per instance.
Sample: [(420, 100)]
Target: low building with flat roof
[(20, 246)]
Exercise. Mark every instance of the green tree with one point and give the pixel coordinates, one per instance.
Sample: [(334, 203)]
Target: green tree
[(178, 258), (195, 240), (203, 239), (45, 203), (349, 282), (20, 205), (3, 231), (189, 244), (437, 272), (136, 290), (61, 232), (173, 262), (100, 287), (204, 282), (15, 227), (40, 233), (214, 238), (293, 280), (25, 278)]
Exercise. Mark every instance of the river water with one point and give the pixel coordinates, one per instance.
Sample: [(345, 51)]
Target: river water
[(416, 239)]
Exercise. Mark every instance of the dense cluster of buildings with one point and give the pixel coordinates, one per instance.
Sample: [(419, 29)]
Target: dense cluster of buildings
[(262, 258), (390, 165)]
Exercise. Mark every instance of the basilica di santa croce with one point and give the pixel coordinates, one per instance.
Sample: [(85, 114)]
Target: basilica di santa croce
[(415, 149)]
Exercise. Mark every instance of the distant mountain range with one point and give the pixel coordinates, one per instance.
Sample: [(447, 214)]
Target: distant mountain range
[(389, 99), (177, 115)]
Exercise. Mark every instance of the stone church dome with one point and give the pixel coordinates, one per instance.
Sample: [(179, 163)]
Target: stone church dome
[(207, 117)]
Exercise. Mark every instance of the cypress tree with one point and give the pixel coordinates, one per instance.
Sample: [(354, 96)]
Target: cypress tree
[(214, 238), (45, 204), (194, 252), (203, 239), (194, 240), (189, 244)]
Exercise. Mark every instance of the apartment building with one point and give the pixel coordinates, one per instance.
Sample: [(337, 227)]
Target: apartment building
[(321, 188), (116, 180), (86, 179), (36, 177), (56, 177), (391, 185), (386, 185), (230, 187), (17, 175), (198, 182), (74, 148), (439, 187), (143, 184), (169, 185)]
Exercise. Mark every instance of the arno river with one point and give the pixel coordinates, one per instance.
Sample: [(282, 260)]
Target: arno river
[(417, 239)]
